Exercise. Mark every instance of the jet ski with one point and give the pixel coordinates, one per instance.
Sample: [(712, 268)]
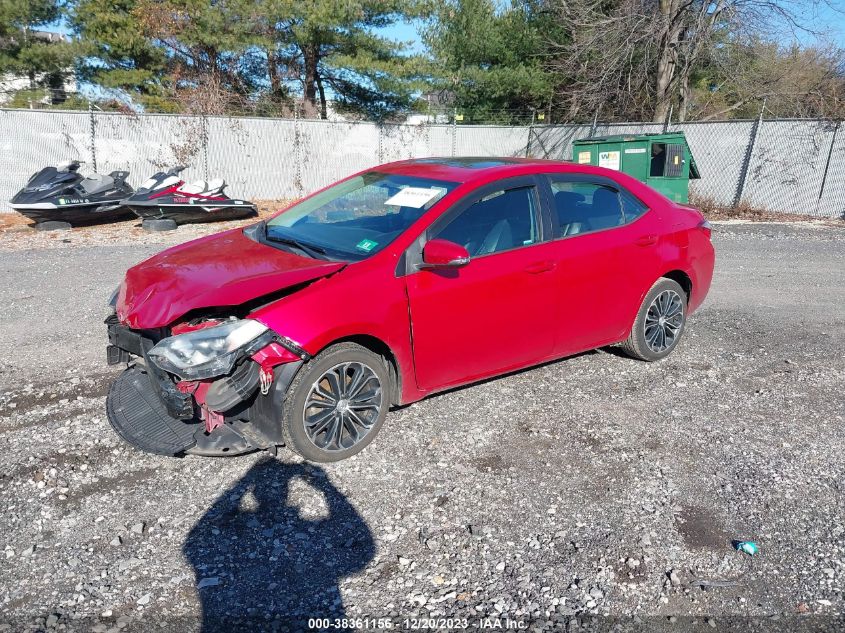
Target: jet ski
[(62, 194), (165, 196)]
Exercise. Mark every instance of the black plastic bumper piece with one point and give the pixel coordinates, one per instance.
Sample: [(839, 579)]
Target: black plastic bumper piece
[(140, 418), (179, 405), (126, 343), (224, 441), (117, 356), (125, 339), (267, 410), (227, 392)]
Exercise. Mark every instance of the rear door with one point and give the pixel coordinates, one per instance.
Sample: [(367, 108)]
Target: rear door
[(605, 246), (497, 313)]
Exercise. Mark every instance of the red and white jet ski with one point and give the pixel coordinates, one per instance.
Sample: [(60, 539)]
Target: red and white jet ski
[(165, 196)]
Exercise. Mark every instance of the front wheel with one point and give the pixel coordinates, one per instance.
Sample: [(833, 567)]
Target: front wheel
[(336, 405), (659, 323)]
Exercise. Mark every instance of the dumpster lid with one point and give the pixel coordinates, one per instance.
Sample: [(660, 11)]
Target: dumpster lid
[(654, 136)]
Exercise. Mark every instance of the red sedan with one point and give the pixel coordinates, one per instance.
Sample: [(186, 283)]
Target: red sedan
[(393, 284)]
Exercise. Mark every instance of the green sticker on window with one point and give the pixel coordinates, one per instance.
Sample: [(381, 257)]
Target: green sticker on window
[(366, 245)]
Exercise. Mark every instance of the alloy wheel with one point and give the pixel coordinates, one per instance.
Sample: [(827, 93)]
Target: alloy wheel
[(663, 321), (342, 406)]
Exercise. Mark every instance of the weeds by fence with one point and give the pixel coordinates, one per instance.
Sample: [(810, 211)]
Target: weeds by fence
[(792, 166)]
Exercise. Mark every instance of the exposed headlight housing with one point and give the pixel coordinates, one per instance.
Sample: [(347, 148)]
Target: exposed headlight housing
[(211, 351)]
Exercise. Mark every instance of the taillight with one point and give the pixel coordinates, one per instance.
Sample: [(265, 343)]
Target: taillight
[(704, 225)]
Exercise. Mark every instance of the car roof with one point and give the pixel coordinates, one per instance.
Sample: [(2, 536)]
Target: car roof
[(464, 168)]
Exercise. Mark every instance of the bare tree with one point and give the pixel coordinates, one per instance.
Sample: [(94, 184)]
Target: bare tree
[(794, 82), (639, 56)]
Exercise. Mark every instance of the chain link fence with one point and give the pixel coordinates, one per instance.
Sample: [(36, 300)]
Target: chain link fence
[(789, 166)]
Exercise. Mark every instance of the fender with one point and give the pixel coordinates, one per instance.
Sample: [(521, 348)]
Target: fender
[(308, 319)]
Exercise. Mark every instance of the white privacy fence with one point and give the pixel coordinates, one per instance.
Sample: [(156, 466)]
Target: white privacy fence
[(794, 166)]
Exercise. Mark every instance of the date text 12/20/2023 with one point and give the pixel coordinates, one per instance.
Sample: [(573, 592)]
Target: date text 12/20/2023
[(413, 624)]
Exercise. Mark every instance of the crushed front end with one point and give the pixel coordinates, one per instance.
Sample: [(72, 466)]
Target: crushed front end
[(206, 386)]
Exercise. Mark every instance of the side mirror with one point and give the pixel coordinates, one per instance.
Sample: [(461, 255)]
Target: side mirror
[(444, 254)]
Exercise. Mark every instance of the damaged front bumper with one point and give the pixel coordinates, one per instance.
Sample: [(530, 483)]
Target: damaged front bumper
[(230, 414)]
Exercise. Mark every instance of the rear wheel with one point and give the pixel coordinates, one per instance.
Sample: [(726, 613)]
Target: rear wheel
[(659, 323), (337, 404)]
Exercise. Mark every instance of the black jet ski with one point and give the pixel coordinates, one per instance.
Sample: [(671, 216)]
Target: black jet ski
[(62, 194), (165, 196)]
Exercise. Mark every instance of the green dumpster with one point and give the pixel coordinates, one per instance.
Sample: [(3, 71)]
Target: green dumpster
[(662, 161)]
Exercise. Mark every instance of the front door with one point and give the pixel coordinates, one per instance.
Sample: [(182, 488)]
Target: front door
[(498, 312)]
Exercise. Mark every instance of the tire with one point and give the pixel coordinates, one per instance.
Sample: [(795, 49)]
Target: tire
[(321, 443), (52, 225), (667, 297), (159, 225)]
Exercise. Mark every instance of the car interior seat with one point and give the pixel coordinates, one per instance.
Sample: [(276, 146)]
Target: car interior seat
[(606, 210), (499, 238), (570, 212), (576, 215), (491, 225)]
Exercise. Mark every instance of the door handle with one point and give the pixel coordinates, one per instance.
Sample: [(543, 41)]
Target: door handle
[(539, 267), (646, 240)]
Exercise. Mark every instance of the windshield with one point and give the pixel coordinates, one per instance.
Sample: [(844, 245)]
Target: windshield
[(357, 217)]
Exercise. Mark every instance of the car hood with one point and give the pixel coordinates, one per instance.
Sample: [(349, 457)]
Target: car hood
[(226, 269)]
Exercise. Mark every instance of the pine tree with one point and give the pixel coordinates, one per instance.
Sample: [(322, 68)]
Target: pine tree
[(490, 59), (116, 54), (25, 51)]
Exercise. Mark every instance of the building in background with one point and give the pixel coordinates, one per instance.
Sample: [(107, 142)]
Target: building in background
[(39, 89)]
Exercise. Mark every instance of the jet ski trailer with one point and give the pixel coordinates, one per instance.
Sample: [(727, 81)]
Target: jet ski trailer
[(165, 196), (61, 194)]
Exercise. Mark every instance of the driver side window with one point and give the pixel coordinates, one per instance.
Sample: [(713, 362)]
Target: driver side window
[(500, 221)]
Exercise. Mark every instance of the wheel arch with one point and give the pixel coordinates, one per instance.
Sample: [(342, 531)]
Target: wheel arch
[(682, 279), (377, 346), (677, 275)]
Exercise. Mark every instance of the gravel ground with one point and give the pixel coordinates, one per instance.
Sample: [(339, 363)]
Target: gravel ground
[(596, 485)]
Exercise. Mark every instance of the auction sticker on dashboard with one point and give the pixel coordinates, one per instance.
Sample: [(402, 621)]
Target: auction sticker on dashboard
[(415, 197)]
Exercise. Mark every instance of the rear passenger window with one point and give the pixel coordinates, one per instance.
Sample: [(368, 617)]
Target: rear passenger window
[(500, 221), (584, 207), (631, 206)]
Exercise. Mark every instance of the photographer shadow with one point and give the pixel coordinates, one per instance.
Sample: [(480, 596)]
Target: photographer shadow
[(262, 562)]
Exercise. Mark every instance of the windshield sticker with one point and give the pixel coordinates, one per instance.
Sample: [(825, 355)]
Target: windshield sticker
[(415, 197), (366, 245)]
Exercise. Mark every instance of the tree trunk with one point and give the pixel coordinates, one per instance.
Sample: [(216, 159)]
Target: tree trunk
[(324, 114), (276, 91), (310, 54), (686, 95), (667, 60)]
